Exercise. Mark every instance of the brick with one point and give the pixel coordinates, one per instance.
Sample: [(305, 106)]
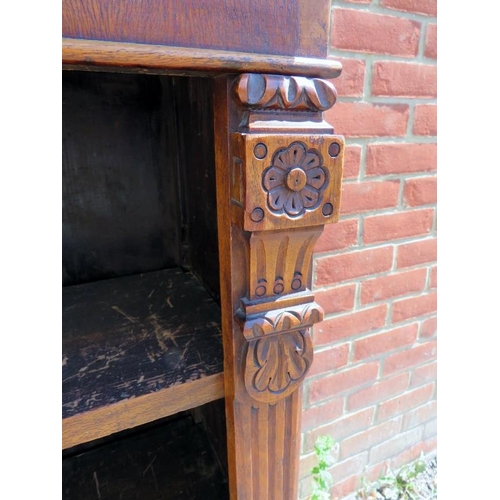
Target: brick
[(378, 228), (413, 254), (334, 329), (396, 445), (337, 268), (330, 359), (423, 375), (430, 429), (370, 437), (338, 236), (413, 307), (319, 415), (327, 387), (421, 191), (433, 279), (393, 285), (361, 31), (428, 328), (342, 488), (352, 79), (411, 454), (347, 468), (401, 158), (420, 415), (352, 161), (374, 472), (404, 403), (401, 79), (380, 391), (428, 7), (363, 119), (306, 464), (341, 428), (425, 120), (431, 42), (403, 360), (334, 300), (363, 196), (310, 461), (381, 343)]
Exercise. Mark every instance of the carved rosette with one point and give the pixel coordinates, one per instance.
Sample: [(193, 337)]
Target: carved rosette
[(295, 180), (284, 187)]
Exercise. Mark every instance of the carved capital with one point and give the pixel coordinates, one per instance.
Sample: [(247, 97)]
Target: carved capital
[(280, 350)]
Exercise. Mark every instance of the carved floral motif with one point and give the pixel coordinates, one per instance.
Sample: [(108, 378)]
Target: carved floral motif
[(295, 181)]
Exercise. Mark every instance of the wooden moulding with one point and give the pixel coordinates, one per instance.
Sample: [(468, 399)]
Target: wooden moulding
[(130, 413), (279, 170), (95, 55)]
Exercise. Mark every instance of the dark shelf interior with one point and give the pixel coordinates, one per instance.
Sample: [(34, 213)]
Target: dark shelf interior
[(172, 460), (141, 335)]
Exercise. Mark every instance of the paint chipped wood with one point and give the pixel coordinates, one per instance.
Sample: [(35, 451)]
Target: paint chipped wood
[(128, 340)]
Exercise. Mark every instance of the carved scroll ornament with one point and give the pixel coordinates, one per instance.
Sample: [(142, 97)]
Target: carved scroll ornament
[(280, 350)]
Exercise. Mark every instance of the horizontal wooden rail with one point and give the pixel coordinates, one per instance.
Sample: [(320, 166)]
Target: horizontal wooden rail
[(94, 55), (130, 413)]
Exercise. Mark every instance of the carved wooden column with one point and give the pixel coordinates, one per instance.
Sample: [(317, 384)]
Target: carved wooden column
[(279, 169)]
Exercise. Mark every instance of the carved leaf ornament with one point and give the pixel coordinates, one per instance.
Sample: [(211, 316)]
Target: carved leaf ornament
[(280, 360), (295, 180), (280, 351)]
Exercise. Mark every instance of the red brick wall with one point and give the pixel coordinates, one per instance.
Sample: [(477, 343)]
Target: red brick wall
[(373, 383)]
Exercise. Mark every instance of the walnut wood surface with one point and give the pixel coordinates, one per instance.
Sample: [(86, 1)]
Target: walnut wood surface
[(98, 55), (286, 27), (135, 349)]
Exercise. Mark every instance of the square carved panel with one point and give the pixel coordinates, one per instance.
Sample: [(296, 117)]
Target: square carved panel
[(289, 180)]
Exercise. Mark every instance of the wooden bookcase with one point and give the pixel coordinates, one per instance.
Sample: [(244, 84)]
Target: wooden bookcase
[(198, 172)]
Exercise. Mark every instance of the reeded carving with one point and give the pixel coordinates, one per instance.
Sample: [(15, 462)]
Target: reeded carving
[(295, 180), (280, 92), (280, 261)]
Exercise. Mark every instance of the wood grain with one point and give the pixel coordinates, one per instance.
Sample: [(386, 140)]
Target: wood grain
[(295, 28), (276, 190), (129, 339), (98, 55), (107, 420)]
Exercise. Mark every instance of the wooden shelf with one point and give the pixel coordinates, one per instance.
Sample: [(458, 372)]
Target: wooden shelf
[(136, 349), (172, 460)]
